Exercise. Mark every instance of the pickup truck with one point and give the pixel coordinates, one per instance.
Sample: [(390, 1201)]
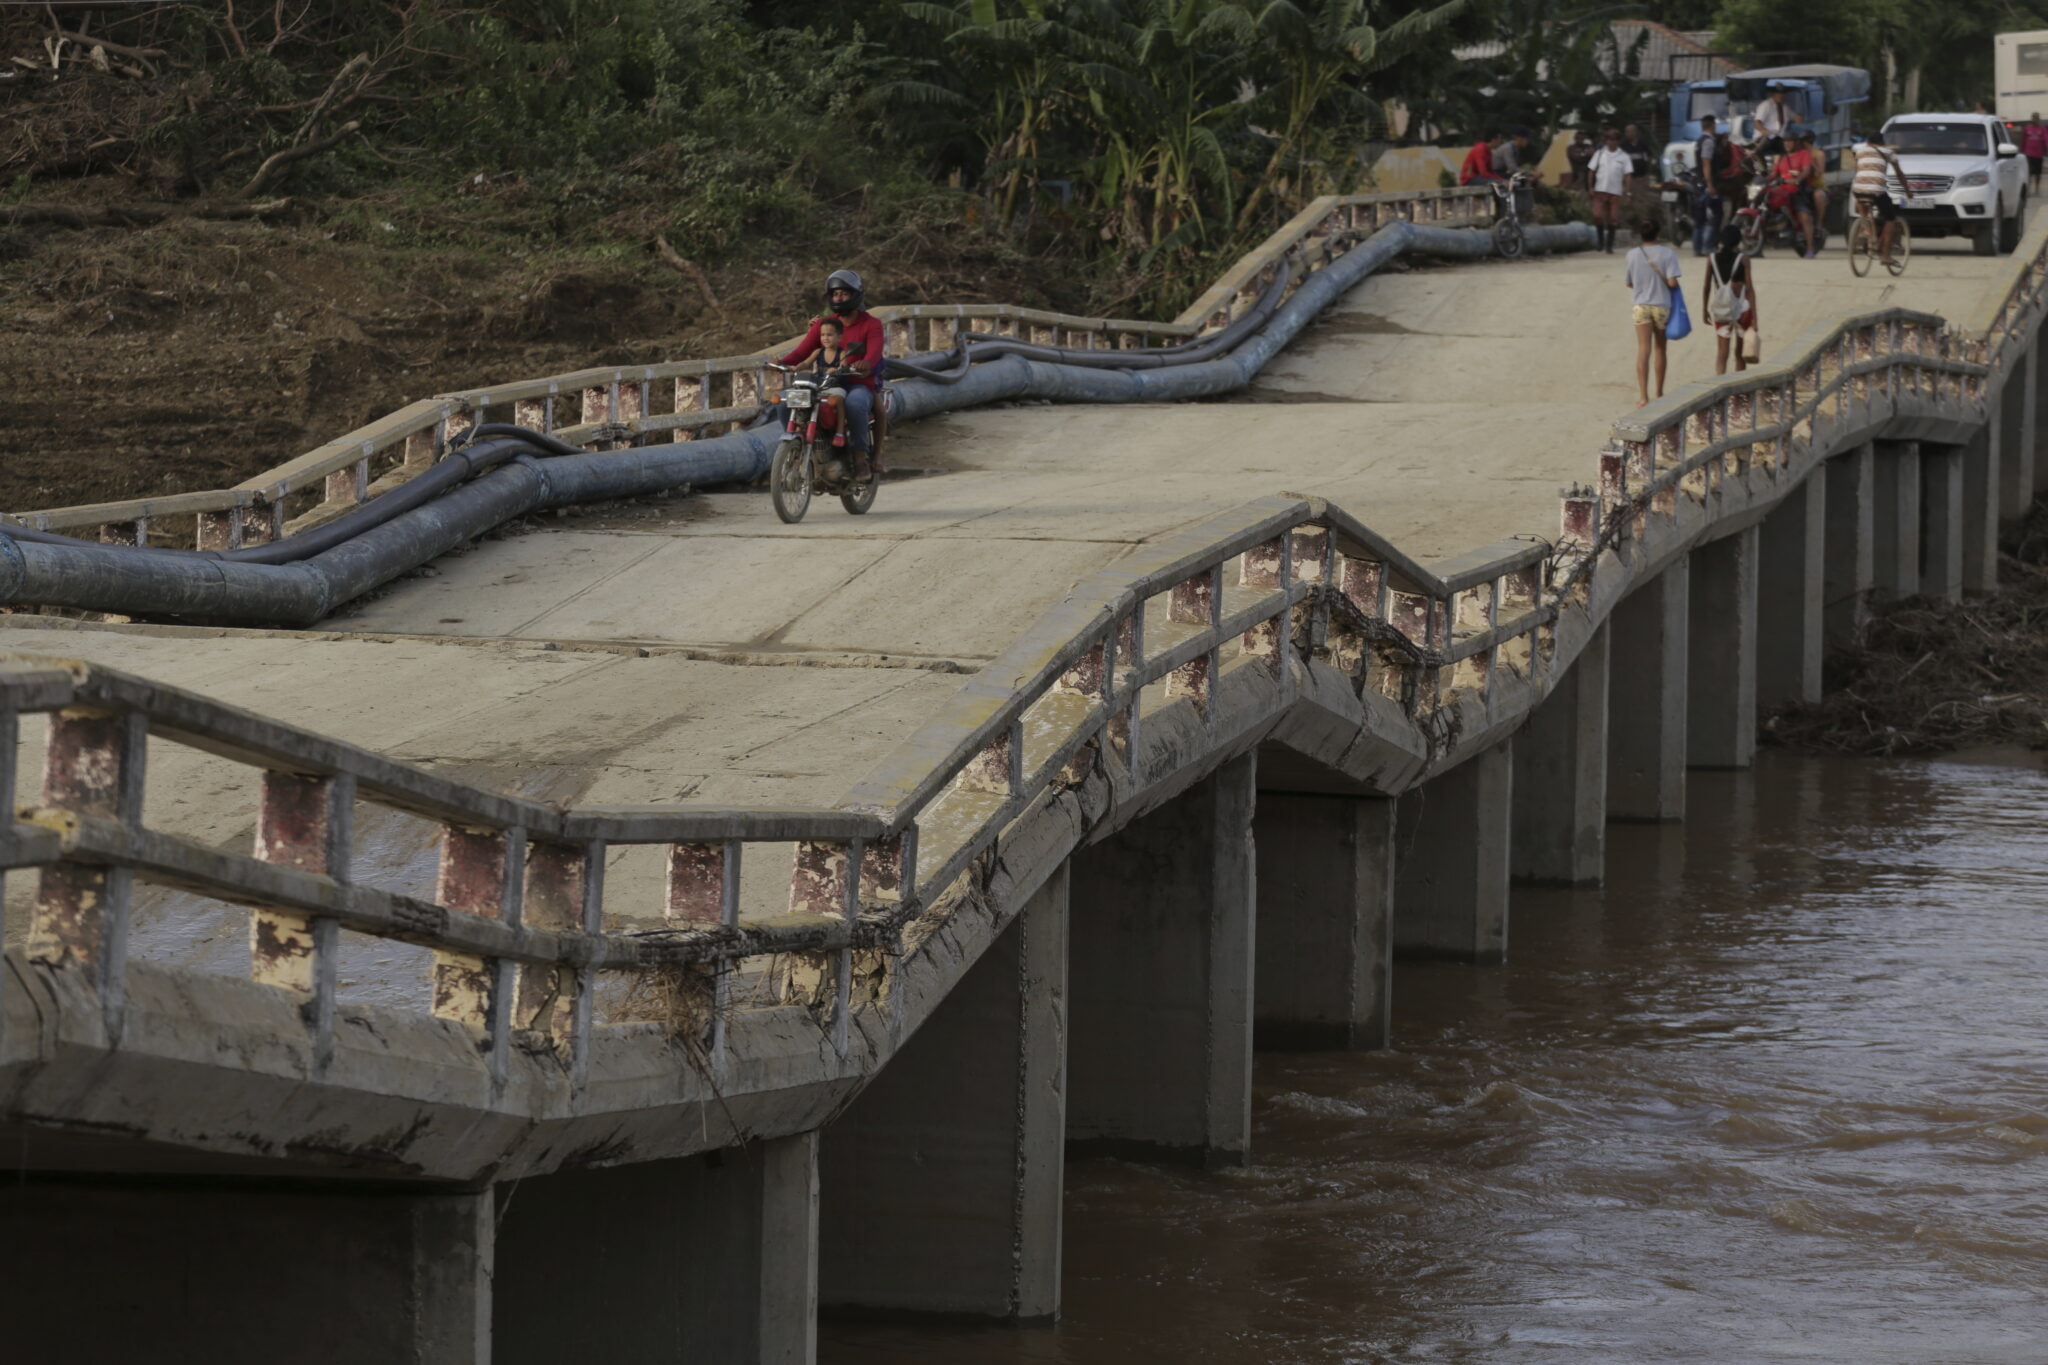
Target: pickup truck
[(1962, 178)]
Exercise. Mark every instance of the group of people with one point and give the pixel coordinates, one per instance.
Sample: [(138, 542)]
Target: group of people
[(1652, 269)]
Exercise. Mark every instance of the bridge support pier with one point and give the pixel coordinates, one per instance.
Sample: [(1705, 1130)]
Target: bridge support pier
[(1980, 512), (2037, 394), (1454, 834), (1159, 1056), (710, 1257), (1791, 554), (1560, 783), (1646, 746), (1852, 519), (2016, 434), (150, 1268), (1941, 521), (1895, 548), (1720, 719), (1325, 925), (939, 1187)]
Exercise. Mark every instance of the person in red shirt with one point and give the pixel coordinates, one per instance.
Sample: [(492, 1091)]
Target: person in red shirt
[(1792, 178), (1478, 167), (844, 296)]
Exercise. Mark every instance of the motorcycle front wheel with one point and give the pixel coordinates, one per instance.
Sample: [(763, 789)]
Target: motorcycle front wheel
[(789, 480)]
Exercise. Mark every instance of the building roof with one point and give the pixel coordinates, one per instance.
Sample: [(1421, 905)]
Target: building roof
[(1668, 55)]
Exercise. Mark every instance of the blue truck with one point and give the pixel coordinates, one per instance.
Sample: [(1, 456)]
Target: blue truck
[(1820, 97)]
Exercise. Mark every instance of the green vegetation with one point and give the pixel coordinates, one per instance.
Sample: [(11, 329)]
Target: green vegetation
[(1142, 139)]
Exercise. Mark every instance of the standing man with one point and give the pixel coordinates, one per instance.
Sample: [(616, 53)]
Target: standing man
[(845, 296), (2034, 146), (1577, 156), (1611, 170), (1710, 156), (1772, 119), (1644, 172)]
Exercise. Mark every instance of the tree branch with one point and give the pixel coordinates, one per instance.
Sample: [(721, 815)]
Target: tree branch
[(277, 161)]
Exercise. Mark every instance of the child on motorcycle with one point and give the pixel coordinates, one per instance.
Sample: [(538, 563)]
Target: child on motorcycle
[(830, 365)]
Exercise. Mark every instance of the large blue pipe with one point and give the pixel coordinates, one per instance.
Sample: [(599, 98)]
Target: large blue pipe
[(279, 584)]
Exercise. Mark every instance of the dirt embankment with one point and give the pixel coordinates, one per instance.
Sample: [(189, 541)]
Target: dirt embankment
[(193, 353)]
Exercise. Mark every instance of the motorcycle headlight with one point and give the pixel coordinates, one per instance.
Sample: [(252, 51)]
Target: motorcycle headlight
[(1971, 180)]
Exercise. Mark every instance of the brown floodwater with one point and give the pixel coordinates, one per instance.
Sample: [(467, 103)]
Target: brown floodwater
[(1779, 1091)]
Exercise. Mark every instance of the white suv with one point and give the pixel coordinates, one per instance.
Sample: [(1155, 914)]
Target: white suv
[(1962, 178)]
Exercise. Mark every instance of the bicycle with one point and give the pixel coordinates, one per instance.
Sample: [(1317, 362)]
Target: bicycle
[(1507, 220), (1866, 237)]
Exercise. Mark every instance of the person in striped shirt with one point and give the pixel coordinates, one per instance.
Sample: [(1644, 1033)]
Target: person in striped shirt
[(1876, 168)]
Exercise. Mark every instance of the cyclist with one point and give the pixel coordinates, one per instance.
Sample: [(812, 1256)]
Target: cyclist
[(1876, 168)]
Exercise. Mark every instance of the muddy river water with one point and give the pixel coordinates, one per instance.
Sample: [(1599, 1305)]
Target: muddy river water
[(1779, 1091)]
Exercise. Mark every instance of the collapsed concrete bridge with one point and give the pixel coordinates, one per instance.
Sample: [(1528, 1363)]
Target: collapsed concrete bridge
[(395, 944)]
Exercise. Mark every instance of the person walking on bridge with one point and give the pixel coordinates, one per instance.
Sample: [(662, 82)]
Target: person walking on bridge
[(1651, 272), (845, 295), (1730, 292)]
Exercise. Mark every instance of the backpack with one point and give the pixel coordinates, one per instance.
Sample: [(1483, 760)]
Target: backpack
[(1724, 304)]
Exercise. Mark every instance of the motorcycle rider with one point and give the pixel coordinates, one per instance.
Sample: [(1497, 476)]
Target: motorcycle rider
[(845, 295)]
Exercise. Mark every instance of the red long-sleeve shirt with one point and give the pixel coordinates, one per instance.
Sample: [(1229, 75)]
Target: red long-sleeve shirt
[(862, 326)]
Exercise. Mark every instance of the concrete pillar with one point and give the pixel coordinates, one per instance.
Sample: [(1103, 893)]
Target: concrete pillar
[(1941, 521), (2016, 435), (1159, 1047), (1326, 934), (1791, 553), (244, 1273), (1560, 787), (1980, 512), (1852, 521), (1720, 706), (2036, 394), (709, 1257), (939, 1187), (1895, 544), (1451, 887), (1646, 711)]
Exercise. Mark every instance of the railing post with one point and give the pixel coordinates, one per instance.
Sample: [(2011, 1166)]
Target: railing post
[(565, 895), (93, 764), (703, 891), (479, 875), (1197, 601), (826, 881), (307, 824)]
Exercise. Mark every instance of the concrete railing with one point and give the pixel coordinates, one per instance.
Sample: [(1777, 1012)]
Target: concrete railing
[(678, 400), (517, 921)]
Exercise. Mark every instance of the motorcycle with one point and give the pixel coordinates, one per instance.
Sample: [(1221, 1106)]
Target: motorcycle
[(1768, 216), (806, 462)]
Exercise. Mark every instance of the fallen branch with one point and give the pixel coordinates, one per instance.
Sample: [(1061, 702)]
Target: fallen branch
[(135, 215), (277, 161), (689, 269), (141, 54), (312, 123)]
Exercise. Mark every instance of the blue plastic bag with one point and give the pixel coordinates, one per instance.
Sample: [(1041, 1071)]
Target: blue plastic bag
[(1680, 326)]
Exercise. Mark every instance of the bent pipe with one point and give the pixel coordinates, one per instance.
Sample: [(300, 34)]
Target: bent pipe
[(225, 589), (989, 346), (457, 466)]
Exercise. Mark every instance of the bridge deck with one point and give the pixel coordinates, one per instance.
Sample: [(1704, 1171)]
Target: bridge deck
[(1444, 407)]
